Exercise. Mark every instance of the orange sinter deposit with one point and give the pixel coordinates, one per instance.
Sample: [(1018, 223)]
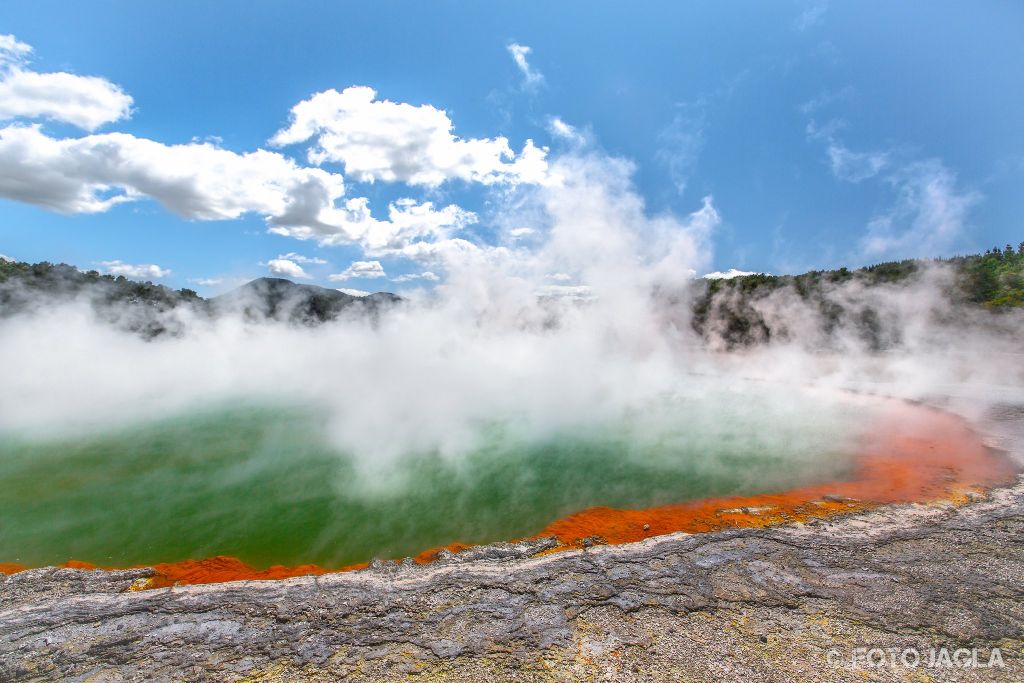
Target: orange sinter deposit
[(916, 455), (222, 568)]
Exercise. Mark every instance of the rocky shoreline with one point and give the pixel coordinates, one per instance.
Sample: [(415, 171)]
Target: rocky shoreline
[(789, 603)]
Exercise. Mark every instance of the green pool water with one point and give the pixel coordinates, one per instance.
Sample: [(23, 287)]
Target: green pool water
[(264, 483)]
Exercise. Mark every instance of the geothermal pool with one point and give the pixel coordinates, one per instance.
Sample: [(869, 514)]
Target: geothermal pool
[(264, 483)]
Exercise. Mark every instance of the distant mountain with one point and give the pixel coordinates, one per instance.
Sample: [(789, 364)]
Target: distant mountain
[(274, 298), (153, 310)]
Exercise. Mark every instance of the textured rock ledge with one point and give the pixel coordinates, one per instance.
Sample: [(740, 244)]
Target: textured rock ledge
[(747, 604)]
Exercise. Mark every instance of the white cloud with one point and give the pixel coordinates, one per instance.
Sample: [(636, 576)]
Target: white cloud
[(729, 274), (408, 277), (855, 166), (6, 258), (366, 270), (929, 217), (560, 129), (521, 232), (409, 227), (142, 270), (531, 77), (200, 181), (282, 266), (574, 292), (390, 141), (84, 101), (13, 51), (206, 281), (94, 173), (299, 258), (442, 251), (353, 292)]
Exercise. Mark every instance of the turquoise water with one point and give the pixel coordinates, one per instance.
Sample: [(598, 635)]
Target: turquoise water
[(263, 483)]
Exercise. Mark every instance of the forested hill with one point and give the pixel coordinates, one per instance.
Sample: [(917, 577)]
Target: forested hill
[(745, 310), (729, 313), (20, 283), (994, 279), (153, 310)]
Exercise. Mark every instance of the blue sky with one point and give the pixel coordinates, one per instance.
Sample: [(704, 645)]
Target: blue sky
[(827, 134)]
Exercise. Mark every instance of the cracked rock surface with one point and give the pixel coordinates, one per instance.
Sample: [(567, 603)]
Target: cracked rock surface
[(745, 604)]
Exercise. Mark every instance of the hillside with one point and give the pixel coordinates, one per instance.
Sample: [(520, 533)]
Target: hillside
[(153, 309), (21, 283), (279, 299), (748, 310), (729, 313)]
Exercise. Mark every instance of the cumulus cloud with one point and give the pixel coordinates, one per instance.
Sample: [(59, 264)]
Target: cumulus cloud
[(445, 251), (531, 77), (87, 102), (374, 139), (200, 181), (287, 268), (204, 182), (299, 258), (412, 229), (206, 281), (365, 270), (390, 141), (5, 258), (729, 274), (930, 215), (138, 272), (573, 292), (408, 277), (353, 292)]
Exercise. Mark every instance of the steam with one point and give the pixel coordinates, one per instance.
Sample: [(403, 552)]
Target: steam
[(580, 321)]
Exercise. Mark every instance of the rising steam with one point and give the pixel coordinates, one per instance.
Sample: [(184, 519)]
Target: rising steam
[(581, 320), (556, 371)]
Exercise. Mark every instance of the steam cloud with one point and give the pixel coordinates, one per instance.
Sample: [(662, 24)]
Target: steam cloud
[(498, 340)]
